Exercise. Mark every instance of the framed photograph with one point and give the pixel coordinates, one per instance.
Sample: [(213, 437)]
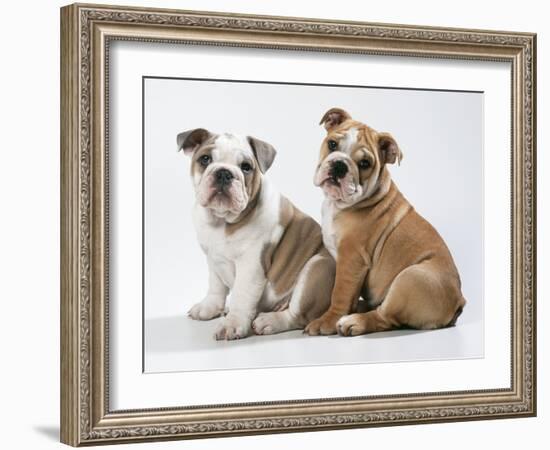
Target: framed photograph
[(276, 224)]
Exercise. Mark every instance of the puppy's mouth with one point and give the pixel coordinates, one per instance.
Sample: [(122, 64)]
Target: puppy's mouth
[(221, 190), (222, 198), (219, 193), (336, 182), (332, 181), (339, 188)]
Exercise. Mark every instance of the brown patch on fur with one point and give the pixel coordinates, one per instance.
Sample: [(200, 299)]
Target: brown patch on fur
[(253, 188), (318, 286), (281, 305), (190, 140), (267, 256), (301, 239), (378, 148), (286, 213), (334, 117), (205, 149), (402, 262), (388, 148), (365, 146), (264, 152), (391, 253), (458, 312)]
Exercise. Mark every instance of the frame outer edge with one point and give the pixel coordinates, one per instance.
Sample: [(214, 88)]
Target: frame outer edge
[(533, 136), (80, 337), (69, 185)]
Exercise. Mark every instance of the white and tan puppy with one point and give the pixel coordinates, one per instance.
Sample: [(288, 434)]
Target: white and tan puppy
[(258, 245), (385, 251)]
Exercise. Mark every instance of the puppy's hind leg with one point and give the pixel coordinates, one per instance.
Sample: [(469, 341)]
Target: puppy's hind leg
[(420, 297), (362, 323), (309, 300)]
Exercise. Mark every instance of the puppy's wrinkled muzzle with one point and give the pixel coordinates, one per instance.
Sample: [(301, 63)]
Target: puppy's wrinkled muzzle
[(336, 177), (223, 178), (222, 191), (338, 170)]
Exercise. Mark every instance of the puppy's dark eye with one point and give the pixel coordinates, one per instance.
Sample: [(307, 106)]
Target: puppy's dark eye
[(204, 160), (364, 164), (332, 145), (246, 167)]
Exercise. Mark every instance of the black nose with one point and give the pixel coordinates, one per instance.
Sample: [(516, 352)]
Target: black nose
[(338, 169), (223, 177)]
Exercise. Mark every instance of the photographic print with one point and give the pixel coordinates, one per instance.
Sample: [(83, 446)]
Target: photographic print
[(282, 219), (266, 222)]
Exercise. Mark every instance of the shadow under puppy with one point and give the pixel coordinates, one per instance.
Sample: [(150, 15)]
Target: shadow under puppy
[(257, 243), (384, 250)]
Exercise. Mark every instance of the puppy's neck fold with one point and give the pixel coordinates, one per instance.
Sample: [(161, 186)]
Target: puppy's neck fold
[(233, 224), (380, 191)]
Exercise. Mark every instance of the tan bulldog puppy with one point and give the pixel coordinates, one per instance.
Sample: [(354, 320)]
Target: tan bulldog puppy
[(258, 245), (385, 251)]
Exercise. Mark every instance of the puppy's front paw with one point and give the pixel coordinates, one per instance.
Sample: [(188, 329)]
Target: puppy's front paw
[(325, 325), (351, 325), (208, 309), (233, 327), (270, 323)]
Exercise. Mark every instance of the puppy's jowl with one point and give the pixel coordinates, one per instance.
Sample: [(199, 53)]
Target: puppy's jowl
[(258, 245), (385, 251)]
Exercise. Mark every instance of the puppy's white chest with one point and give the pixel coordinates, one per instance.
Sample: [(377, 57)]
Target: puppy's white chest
[(215, 245), (329, 232), (219, 257), (225, 269)]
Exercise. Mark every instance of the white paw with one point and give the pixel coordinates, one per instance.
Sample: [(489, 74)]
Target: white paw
[(207, 309), (267, 323), (233, 327)]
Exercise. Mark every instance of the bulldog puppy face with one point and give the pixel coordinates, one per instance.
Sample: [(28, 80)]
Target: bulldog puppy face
[(352, 158), (226, 169)]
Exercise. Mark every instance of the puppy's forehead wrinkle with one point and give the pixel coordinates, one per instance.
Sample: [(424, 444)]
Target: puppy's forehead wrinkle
[(216, 154), (349, 140), (352, 136), (363, 152), (205, 148), (232, 148), (233, 141)]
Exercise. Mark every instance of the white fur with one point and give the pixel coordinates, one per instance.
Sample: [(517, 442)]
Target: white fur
[(234, 259), (328, 212), (228, 153), (348, 141), (214, 303), (233, 146)]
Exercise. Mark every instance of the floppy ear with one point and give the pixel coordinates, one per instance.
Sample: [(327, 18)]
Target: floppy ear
[(389, 150), (191, 140), (264, 152), (334, 117)]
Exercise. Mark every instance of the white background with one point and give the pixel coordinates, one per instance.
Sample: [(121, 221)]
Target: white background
[(440, 134), (30, 237), (130, 389)]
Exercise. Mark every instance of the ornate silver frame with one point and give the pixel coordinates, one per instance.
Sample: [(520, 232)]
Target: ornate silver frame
[(86, 31)]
